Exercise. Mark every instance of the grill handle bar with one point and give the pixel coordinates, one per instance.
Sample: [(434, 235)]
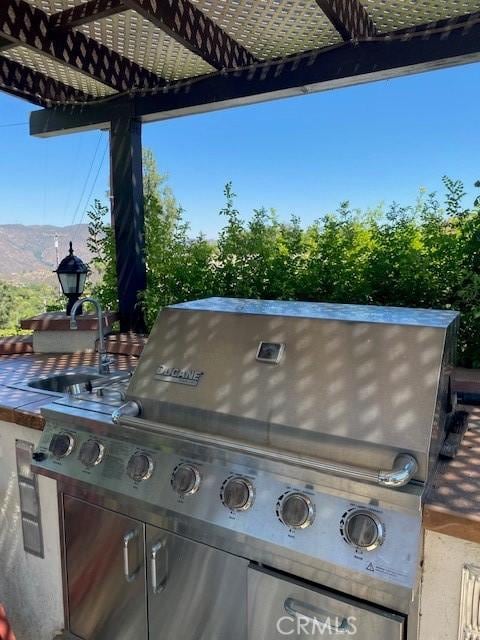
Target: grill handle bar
[(312, 615), (403, 470)]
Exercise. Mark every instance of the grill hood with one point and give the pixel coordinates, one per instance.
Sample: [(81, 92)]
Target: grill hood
[(354, 384)]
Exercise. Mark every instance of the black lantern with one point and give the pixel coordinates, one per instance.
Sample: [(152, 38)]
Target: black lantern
[(72, 273)]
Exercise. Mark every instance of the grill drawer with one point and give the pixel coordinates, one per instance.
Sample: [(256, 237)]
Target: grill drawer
[(279, 607)]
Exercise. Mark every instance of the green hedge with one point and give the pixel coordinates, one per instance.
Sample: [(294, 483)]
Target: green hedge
[(425, 255)]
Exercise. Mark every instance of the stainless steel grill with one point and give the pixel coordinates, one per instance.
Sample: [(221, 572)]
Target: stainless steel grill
[(267, 469)]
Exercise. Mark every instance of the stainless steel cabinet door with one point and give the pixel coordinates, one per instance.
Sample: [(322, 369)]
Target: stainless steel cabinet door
[(280, 608), (195, 592), (105, 563)]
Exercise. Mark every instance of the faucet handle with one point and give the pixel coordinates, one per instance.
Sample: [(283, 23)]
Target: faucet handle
[(105, 362), (105, 391)]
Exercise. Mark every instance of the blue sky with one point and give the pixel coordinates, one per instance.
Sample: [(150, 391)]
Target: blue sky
[(368, 144)]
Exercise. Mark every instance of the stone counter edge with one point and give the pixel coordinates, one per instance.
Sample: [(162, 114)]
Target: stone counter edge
[(23, 418)]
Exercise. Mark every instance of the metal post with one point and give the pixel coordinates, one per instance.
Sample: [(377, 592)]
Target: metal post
[(128, 217)]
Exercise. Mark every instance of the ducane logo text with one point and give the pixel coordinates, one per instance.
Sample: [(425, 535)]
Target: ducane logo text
[(303, 626), (190, 377)]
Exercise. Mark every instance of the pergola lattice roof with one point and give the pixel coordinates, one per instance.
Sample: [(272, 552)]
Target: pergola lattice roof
[(160, 58)]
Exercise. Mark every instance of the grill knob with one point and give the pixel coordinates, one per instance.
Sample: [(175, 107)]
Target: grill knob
[(364, 530), (185, 480), (91, 453), (296, 510), (140, 467), (237, 494), (61, 445)]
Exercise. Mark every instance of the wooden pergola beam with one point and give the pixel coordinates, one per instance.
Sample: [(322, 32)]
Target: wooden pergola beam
[(5, 44), (25, 25), (349, 17), (25, 83), (458, 42), (84, 13), (195, 31)]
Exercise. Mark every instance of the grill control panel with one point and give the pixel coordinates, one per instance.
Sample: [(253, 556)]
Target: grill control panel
[(371, 539)]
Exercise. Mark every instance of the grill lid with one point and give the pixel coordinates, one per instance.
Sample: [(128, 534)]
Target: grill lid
[(355, 384)]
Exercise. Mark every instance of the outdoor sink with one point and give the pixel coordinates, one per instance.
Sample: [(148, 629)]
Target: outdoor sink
[(65, 383)]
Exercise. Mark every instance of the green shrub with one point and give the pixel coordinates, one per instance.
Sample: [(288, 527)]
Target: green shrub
[(426, 255)]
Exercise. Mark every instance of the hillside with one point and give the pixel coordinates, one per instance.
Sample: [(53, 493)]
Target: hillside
[(27, 253)]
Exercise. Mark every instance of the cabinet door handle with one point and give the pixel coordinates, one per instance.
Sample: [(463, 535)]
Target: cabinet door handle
[(127, 539), (310, 613), (159, 549)]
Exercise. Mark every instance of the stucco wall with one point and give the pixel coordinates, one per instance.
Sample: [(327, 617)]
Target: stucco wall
[(30, 587), (442, 578)]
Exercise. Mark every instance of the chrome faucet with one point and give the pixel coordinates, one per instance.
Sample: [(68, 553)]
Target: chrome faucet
[(104, 361)]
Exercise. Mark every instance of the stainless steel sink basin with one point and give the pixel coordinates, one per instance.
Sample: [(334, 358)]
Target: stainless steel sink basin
[(65, 383)]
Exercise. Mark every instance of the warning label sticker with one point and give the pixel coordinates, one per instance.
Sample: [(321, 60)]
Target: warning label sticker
[(388, 572)]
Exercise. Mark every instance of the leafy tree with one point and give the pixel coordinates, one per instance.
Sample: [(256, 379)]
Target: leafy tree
[(6, 305), (101, 243), (19, 302), (455, 193), (177, 266)]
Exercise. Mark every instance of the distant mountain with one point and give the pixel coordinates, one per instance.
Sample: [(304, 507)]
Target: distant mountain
[(27, 252)]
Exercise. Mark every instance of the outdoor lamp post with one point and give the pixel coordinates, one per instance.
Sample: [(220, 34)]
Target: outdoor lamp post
[(72, 274)]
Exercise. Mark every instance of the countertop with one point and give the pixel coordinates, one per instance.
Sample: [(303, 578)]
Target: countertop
[(452, 505), (23, 407)]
